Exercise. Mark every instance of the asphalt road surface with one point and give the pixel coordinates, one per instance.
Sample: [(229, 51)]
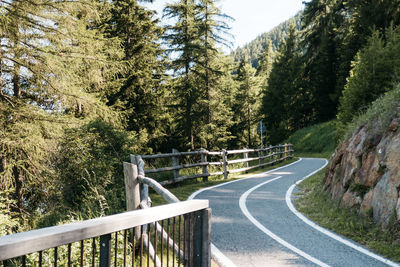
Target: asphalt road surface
[(254, 223)]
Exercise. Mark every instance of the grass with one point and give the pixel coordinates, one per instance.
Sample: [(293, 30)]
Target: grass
[(314, 140), (317, 205), (183, 190)]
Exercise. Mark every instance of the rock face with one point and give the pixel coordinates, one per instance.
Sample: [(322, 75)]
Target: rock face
[(364, 173)]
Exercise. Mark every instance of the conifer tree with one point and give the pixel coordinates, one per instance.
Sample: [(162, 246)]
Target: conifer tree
[(52, 63), (283, 97), (182, 41), (246, 104), (137, 92)]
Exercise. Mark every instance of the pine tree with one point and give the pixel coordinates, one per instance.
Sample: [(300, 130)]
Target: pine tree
[(182, 41), (246, 104), (138, 92), (52, 64), (212, 30), (283, 97)]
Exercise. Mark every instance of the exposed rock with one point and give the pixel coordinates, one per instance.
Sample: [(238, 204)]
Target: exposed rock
[(350, 199), (366, 206), (384, 200), (394, 125), (364, 172)]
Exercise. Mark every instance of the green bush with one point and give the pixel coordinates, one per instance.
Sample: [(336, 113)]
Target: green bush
[(375, 69), (90, 180)]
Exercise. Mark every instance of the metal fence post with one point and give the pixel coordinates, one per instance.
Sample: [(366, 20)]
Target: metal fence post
[(225, 162), (105, 250), (204, 160), (175, 162), (202, 246)]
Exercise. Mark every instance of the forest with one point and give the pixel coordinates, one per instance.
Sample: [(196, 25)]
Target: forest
[(84, 83)]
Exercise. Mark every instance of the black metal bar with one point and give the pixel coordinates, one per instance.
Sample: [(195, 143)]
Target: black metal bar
[(179, 238), (105, 250), (40, 258), (82, 249), (184, 240), (173, 242), (125, 235), (93, 252), (162, 242), (69, 255), (24, 261), (155, 239), (168, 223), (198, 240), (5, 263), (55, 256), (116, 249), (141, 246)]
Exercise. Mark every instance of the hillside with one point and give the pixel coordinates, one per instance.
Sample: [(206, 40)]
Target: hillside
[(254, 49), (364, 172)]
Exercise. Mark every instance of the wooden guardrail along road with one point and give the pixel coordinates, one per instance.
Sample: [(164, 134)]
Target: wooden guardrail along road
[(272, 154)]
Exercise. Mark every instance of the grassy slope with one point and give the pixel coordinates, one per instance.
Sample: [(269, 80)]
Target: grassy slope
[(314, 141), (316, 204)]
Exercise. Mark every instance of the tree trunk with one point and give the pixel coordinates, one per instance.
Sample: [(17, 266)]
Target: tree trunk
[(18, 190)]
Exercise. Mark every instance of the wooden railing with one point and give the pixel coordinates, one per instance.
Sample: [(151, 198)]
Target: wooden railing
[(102, 241), (262, 156)]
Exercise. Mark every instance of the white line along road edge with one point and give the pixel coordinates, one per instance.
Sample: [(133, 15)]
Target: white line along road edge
[(243, 207), (217, 255), (326, 231), (192, 196)]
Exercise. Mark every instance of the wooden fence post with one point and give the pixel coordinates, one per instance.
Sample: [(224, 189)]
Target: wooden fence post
[(175, 162), (246, 156), (225, 161), (204, 160), (132, 190), (286, 150)]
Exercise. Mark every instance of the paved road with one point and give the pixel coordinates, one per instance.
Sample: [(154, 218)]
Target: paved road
[(253, 225)]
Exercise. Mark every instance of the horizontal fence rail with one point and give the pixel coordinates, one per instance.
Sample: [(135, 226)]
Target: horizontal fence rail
[(170, 235), (226, 158)]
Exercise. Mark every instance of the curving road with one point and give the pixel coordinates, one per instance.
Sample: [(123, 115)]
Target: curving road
[(254, 223)]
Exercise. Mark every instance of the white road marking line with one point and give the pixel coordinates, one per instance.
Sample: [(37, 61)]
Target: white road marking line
[(243, 207), (193, 195), (326, 231), (220, 258)]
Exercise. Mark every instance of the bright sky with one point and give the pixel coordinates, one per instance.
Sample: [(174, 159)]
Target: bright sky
[(252, 17)]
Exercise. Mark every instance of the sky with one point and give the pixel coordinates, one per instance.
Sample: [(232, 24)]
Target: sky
[(252, 17)]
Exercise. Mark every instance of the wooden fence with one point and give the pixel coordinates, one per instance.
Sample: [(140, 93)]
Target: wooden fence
[(263, 157)]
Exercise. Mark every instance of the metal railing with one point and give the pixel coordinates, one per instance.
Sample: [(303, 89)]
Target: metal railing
[(135, 238), (262, 156)]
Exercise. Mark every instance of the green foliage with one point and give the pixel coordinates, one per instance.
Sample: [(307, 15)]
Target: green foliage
[(137, 91), (246, 106), (285, 102), (379, 115), (318, 138), (89, 168), (375, 69)]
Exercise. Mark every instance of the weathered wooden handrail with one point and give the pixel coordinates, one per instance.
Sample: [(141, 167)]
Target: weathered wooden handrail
[(20, 244), (274, 154)]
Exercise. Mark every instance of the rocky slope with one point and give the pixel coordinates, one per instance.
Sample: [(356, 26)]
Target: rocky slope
[(364, 172)]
